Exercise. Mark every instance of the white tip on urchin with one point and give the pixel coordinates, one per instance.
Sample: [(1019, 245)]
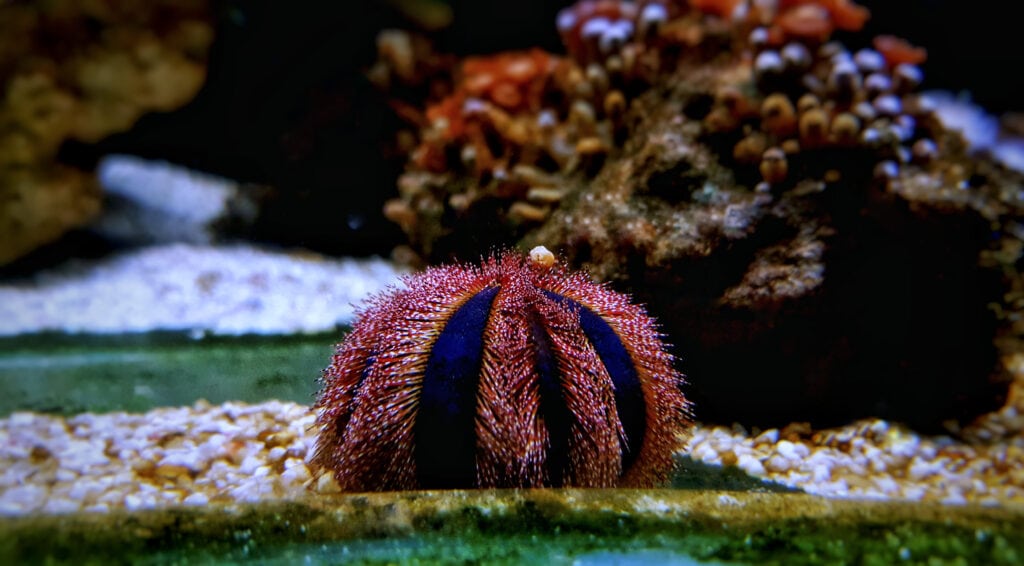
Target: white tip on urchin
[(542, 257)]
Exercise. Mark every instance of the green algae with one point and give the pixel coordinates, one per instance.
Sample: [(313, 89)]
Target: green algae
[(543, 526), (70, 374)]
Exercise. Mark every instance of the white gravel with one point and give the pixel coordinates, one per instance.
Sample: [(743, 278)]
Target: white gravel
[(173, 456), (221, 290), (241, 453), (874, 460)]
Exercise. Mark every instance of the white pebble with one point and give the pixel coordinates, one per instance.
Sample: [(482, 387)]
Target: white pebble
[(196, 499), (770, 436), (58, 505), (751, 465), (791, 450), (23, 498), (778, 463)]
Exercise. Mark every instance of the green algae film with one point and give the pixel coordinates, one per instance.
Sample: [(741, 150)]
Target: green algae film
[(70, 374), (544, 526)]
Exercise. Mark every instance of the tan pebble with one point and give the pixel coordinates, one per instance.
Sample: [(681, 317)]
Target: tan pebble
[(591, 145), (814, 126), (720, 120), (525, 212), (614, 104), (581, 115), (807, 102), (460, 201), (534, 176), (172, 472), (399, 212), (733, 100), (542, 257), (845, 129), (325, 484), (778, 117), (749, 149), (545, 195), (597, 77), (281, 438), (774, 167)]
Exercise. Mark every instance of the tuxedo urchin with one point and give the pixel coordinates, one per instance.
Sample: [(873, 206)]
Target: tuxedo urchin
[(518, 372)]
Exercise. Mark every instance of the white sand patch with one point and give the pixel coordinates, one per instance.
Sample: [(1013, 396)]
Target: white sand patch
[(221, 290)]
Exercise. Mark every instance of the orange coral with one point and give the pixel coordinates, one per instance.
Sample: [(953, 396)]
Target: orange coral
[(844, 14), (807, 21), (513, 81), (817, 19), (722, 8), (897, 50)]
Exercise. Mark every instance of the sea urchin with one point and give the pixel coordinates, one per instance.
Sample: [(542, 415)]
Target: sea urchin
[(516, 373)]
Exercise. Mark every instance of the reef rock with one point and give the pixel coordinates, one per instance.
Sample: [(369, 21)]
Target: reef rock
[(821, 300), (816, 244)]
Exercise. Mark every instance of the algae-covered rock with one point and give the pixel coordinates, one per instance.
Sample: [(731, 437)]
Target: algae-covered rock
[(543, 526)]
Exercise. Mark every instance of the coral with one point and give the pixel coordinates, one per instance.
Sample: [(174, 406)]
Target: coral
[(514, 123), (494, 150), (517, 373), (82, 72)]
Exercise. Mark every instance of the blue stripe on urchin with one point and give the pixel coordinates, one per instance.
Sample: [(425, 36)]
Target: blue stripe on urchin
[(554, 410), (629, 395), (445, 429)]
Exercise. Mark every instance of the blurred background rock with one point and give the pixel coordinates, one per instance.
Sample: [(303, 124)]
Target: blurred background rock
[(271, 100)]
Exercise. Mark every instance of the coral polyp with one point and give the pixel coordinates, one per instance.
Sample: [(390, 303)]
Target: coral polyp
[(514, 373)]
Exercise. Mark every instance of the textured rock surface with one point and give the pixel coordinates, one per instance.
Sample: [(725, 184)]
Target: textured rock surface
[(82, 72), (823, 301), (531, 526), (814, 241)]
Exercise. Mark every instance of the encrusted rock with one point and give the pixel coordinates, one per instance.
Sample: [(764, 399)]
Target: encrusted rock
[(816, 243)]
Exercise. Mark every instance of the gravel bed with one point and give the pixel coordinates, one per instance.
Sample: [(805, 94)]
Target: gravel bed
[(239, 453), (222, 290), (173, 456), (235, 452)]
